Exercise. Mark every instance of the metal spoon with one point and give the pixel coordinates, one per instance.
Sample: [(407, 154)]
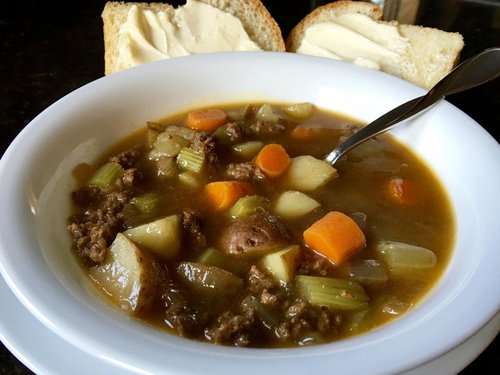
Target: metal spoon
[(473, 72)]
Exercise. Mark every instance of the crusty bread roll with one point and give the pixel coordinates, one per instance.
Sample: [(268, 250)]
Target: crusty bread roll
[(431, 54), (255, 18)]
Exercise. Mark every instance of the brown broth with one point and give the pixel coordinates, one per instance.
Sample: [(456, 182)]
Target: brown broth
[(359, 188)]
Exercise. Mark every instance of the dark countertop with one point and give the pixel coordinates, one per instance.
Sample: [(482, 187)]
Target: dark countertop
[(50, 48)]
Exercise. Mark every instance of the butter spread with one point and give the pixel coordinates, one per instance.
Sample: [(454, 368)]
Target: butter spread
[(359, 39), (192, 28)]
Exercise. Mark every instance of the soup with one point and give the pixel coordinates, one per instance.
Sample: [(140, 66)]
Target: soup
[(225, 225)]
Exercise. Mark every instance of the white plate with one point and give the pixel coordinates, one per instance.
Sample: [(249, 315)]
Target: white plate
[(42, 351)]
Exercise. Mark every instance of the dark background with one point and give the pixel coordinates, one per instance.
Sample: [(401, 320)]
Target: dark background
[(50, 48)]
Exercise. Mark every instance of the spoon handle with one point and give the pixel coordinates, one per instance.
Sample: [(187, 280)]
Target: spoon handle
[(473, 72)]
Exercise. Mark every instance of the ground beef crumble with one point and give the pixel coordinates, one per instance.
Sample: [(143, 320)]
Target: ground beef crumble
[(244, 172), (303, 322), (235, 131), (203, 143), (231, 328), (258, 281), (127, 158), (192, 223), (265, 128), (266, 287), (131, 177), (94, 229), (313, 264)]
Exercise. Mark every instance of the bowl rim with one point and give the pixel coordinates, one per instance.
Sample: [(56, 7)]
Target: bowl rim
[(272, 359)]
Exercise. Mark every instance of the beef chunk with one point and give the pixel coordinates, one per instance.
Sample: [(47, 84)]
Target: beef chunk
[(315, 265), (259, 281), (244, 172), (94, 229), (192, 224), (265, 286), (268, 298), (235, 131), (91, 239), (231, 328), (131, 177), (204, 143), (265, 128), (127, 158), (305, 323)]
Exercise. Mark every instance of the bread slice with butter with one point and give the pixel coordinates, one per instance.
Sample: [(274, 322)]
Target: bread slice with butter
[(354, 31), (136, 33)]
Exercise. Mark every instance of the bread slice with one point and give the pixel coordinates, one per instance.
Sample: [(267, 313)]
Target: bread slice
[(113, 16), (261, 27), (255, 18), (326, 13), (434, 52), (431, 55)]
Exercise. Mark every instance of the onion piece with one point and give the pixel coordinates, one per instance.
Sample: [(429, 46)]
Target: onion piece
[(404, 259)]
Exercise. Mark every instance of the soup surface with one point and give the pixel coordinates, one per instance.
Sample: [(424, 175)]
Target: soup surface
[(225, 225)]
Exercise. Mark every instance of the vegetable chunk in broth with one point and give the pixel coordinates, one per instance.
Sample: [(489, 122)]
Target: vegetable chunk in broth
[(225, 225)]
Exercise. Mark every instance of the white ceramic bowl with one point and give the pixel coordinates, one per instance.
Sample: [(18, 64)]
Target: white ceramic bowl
[(37, 264)]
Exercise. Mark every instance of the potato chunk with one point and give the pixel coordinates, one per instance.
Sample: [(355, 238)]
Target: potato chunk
[(307, 173), (161, 236), (291, 204), (128, 275), (282, 264)]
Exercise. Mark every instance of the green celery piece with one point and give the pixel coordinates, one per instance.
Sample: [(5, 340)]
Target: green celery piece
[(140, 209), (188, 159), (336, 294), (107, 175), (248, 205), (146, 203)]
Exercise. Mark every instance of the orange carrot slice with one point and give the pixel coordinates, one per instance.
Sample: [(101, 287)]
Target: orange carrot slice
[(223, 194), (303, 133), (206, 120), (273, 160), (336, 236), (402, 191)]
